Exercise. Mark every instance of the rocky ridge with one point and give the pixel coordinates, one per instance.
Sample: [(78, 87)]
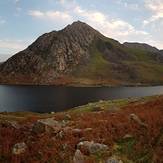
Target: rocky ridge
[(142, 46)]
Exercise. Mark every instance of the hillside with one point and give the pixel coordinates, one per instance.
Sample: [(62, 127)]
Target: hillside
[(80, 55), (130, 130), (142, 46)]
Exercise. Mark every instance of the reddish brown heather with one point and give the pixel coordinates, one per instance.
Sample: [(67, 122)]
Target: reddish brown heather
[(106, 129)]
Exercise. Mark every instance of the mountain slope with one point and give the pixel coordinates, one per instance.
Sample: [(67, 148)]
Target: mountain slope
[(142, 46), (80, 54)]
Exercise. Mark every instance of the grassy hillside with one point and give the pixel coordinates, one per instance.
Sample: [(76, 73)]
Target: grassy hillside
[(115, 64)]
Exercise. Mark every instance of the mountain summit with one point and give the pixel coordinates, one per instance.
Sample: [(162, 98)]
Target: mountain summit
[(75, 53)]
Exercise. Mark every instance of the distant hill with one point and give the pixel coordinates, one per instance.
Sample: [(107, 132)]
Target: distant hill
[(79, 54), (161, 51), (142, 46)]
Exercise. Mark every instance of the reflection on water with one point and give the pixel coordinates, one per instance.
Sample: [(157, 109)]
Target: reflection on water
[(58, 98)]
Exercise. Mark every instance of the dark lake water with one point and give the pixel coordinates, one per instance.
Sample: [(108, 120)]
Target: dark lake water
[(59, 98)]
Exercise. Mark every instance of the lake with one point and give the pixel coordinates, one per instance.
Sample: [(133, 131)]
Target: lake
[(60, 98)]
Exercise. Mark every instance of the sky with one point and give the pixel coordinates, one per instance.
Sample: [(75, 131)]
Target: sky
[(23, 21)]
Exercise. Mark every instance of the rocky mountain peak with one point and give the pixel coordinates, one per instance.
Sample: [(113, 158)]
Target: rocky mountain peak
[(60, 51), (76, 53)]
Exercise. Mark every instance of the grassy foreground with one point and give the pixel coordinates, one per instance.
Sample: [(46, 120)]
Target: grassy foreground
[(109, 123)]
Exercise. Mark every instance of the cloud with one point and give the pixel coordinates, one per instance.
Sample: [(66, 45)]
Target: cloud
[(109, 27), (128, 6), (15, 1), (52, 15), (13, 46), (2, 21), (36, 13), (18, 9), (131, 6), (68, 5), (156, 6)]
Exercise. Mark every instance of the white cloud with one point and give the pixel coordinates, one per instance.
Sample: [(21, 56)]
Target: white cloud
[(36, 13), (157, 7), (128, 6), (13, 46), (68, 5), (131, 6), (18, 9), (110, 28), (2, 21), (58, 15), (15, 1), (52, 15)]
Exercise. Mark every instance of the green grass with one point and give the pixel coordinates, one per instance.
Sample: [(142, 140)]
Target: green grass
[(126, 147), (107, 105), (96, 66)]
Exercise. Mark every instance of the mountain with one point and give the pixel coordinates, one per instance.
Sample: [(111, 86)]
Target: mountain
[(161, 51), (79, 54), (142, 46)]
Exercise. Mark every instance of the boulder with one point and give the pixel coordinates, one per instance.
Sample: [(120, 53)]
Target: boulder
[(92, 147), (19, 148), (136, 119), (46, 126), (78, 157), (12, 124), (67, 117), (113, 160), (127, 136), (97, 108)]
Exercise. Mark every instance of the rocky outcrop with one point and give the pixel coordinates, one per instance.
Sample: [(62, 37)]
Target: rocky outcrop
[(92, 147)]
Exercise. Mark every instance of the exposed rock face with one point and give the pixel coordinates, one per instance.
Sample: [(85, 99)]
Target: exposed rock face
[(58, 51)]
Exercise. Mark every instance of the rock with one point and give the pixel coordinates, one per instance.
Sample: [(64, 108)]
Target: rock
[(46, 125), (67, 117), (136, 119), (127, 136), (78, 157), (112, 111), (13, 124), (97, 108), (113, 160), (92, 147), (19, 148), (76, 130), (88, 129)]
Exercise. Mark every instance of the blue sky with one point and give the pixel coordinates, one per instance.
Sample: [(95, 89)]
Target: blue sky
[(22, 21)]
